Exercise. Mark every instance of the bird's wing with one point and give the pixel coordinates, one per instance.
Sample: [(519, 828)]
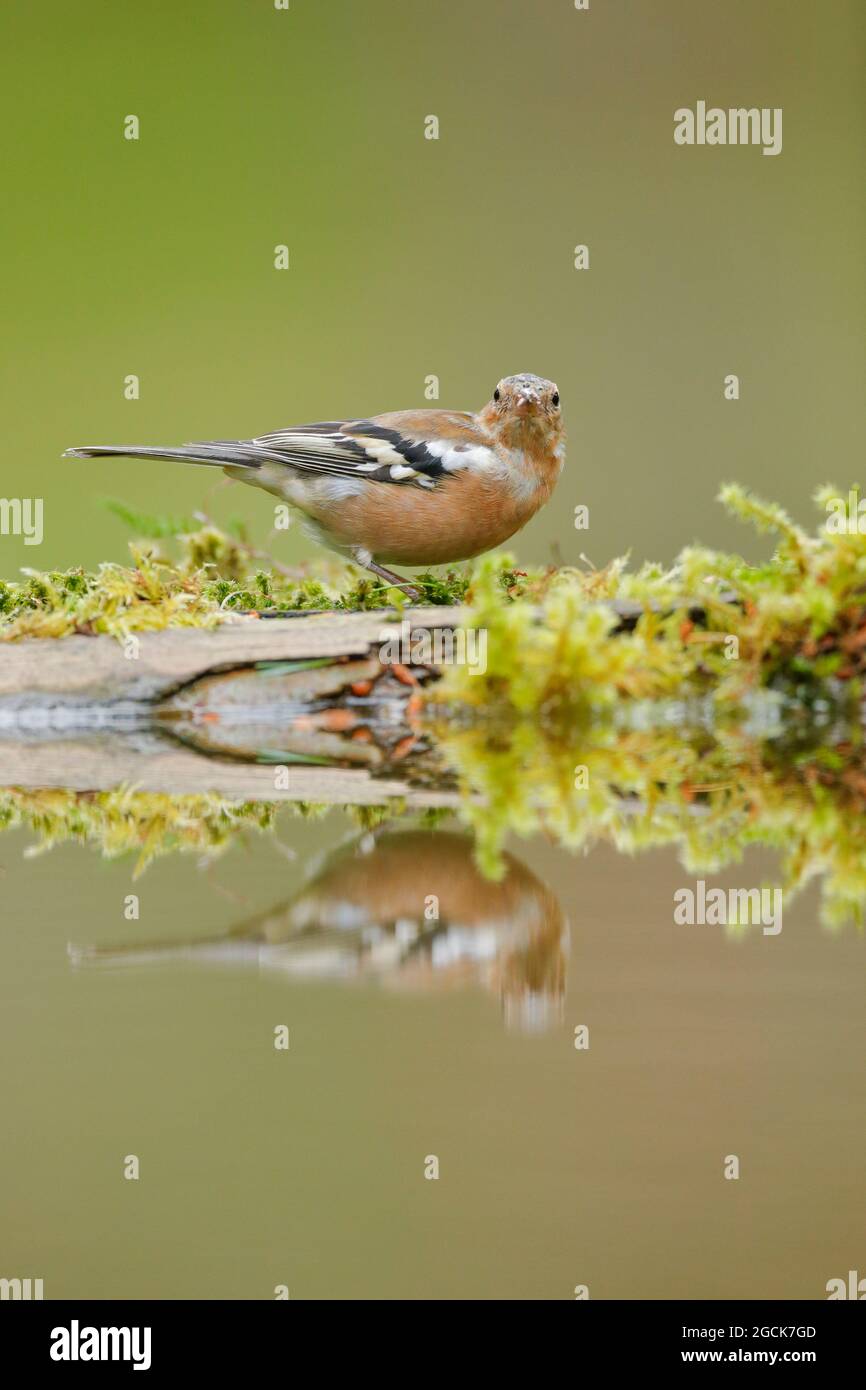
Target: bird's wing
[(419, 447)]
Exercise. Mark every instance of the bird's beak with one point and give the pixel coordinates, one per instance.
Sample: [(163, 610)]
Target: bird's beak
[(527, 403)]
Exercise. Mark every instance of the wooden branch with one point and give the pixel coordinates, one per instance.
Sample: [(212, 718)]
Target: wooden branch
[(96, 669), (81, 670)]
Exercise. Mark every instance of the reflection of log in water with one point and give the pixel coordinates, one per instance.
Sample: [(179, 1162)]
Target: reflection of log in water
[(352, 714), (408, 908), (348, 726)]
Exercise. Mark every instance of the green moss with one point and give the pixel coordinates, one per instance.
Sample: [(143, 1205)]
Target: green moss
[(554, 642), (564, 689), (209, 576), (149, 825), (146, 824), (709, 793)]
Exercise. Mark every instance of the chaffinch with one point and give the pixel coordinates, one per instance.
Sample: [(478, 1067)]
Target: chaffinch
[(361, 915), (410, 487)]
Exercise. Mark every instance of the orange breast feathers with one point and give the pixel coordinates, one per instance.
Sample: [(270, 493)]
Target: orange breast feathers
[(467, 514)]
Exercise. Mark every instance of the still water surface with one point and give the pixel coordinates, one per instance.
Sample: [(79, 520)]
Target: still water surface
[(558, 1166)]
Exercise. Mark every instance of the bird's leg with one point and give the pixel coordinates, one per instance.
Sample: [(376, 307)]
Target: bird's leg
[(389, 576)]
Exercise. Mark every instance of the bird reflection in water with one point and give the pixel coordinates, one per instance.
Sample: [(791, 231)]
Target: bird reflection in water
[(410, 909)]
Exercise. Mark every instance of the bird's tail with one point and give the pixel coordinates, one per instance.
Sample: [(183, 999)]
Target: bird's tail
[(217, 454)]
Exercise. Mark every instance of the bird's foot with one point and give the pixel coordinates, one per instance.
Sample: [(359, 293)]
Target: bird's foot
[(395, 581)]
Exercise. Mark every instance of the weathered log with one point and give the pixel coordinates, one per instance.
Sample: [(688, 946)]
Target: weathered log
[(88, 670), (99, 669)]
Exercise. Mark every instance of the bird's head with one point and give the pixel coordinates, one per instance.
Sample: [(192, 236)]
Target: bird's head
[(524, 410)]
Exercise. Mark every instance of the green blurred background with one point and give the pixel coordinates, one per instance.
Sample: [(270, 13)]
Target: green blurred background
[(411, 257)]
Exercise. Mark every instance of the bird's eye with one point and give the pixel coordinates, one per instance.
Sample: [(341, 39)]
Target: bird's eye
[(555, 398), (496, 394)]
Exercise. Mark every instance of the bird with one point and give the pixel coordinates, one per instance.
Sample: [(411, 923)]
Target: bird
[(358, 915), (408, 487)]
